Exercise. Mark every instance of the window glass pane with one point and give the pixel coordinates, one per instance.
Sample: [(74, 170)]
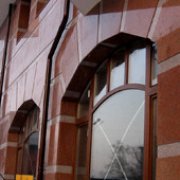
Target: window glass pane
[(154, 66), (100, 84), (30, 151), (117, 70), (137, 66), (118, 137), (81, 152), (31, 123), (83, 106)]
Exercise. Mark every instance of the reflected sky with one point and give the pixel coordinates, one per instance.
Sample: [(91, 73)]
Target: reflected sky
[(137, 66), (119, 120), (117, 74)]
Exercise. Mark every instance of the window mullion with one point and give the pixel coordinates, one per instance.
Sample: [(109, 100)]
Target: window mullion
[(150, 91), (89, 141), (126, 68), (148, 68), (108, 75)]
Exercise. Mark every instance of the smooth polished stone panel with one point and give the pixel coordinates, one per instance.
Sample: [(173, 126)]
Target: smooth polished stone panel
[(167, 30), (87, 32), (10, 167), (65, 110), (49, 176), (169, 63), (20, 90), (56, 99), (7, 100), (25, 53), (64, 176), (40, 78), (169, 150), (67, 140), (57, 176), (12, 97), (3, 126), (168, 168), (30, 78), (168, 45), (52, 150), (110, 18), (138, 16), (68, 57), (168, 20), (13, 137), (168, 107), (52, 19), (24, 58), (2, 157)]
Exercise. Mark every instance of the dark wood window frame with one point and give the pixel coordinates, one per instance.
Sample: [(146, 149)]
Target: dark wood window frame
[(150, 93)]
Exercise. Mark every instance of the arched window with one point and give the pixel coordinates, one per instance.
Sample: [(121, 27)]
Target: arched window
[(118, 136), (120, 107), (28, 145)]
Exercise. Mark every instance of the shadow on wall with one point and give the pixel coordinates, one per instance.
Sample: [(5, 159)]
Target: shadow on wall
[(21, 115), (113, 6)]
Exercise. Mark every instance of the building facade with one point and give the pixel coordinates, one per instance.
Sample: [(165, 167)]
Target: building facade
[(93, 95)]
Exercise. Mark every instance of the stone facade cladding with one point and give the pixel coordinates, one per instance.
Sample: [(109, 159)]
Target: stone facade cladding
[(27, 63)]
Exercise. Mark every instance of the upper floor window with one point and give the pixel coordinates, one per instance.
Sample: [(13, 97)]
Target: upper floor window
[(23, 20)]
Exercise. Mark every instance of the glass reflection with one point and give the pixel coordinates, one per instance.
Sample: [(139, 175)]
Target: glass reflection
[(118, 137), (100, 84), (30, 151), (154, 66), (137, 66), (2, 46), (83, 106), (117, 70)]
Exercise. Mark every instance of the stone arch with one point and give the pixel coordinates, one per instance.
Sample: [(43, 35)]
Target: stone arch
[(21, 114), (91, 62), (79, 81)]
